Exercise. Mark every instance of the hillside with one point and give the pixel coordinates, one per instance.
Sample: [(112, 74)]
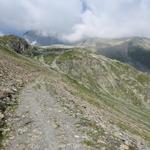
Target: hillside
[(104, 104), (15, 72), (134, 51), (117, 87)]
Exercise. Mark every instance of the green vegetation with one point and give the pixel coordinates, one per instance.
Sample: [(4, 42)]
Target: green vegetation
[(70, 55), (89, 143), (118, 89), (49, 58)]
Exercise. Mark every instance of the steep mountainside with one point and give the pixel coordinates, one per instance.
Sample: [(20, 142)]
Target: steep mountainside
[(135, 51), (119, 89), (79, 97), (14, 43), (36, 37), (15, 72)]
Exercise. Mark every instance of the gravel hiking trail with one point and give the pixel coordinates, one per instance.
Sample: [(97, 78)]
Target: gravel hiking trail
[(40, 123)]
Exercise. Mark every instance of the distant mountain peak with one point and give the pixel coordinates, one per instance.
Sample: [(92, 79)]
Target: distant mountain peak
[(43, 38), (85, 6)]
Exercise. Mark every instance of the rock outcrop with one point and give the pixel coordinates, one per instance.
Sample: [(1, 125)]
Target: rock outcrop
[(15, 43)]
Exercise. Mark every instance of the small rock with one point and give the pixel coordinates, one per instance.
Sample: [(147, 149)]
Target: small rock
[(21, 131), (7, 99), (1, 115), (127, 142), (5, 93), (84, 107), (118, 134), (56, 125), (76, 136), (14, 89), (11, 138), (124, 147), (100, 142)]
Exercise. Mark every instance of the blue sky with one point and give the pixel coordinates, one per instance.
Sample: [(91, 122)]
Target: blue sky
[(76, 19)]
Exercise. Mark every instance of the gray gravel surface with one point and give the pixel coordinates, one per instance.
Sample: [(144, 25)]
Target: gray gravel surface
[(41, 124)]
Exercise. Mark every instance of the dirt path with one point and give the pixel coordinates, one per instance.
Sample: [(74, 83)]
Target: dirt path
[(41, 124)]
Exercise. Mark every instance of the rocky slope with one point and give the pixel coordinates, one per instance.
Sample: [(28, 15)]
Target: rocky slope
[(119, 89), (106, 102), (134, 51), (15, 72), (14, 43)]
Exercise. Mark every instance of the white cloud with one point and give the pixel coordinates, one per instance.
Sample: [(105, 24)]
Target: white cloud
[(104, 18), (109, 18), (45, 15)]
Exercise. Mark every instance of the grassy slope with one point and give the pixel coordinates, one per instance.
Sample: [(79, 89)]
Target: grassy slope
[(111, 85)]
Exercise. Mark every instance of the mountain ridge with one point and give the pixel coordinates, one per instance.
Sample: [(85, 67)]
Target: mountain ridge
[(134, 50)]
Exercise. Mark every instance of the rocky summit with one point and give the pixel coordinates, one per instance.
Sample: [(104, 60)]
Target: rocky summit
[(73, 97)]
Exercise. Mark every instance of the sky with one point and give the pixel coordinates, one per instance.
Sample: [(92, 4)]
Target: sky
[(76, 19)]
